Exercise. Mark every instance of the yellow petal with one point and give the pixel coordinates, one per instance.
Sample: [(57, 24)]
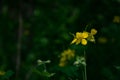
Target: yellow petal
[(93, 31), (63, 59), (116, 19), (91, 38), (78, 35), (78, 42), (63, 54), (84, 42), (71, 55), (62, 64), (73, 41), (85, 34)]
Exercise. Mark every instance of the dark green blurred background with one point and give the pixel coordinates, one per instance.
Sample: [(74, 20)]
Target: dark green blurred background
[(40, 29)]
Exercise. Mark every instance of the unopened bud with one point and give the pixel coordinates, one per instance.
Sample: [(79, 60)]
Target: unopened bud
[(40, 62), (48, 61)]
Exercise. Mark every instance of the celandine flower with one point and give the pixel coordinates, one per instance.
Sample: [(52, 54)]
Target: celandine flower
[(80, 38), (65, 56), (83, 37)]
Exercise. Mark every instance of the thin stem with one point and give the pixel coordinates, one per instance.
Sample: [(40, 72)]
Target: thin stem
[(86, 27), (28, 75), (83, 74), (45, 69), (18, 57), (18, 61), (85, 70)]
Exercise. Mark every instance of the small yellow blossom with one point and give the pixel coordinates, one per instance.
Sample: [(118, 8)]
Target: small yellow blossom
[(62, 61), (102, 40), (91, 35), (2, 73), (116, 19), (93, 31), (80, 38), (65, 56), (84, 41), (62, 64), (69, 53), (83, 37)]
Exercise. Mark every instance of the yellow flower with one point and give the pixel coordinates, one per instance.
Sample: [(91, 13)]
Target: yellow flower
[(91, 35), (102, 40), (63, 59), (62, 64), (80, 38), (2, 73), (65, 56), (116, 19), (93, 31), (70, 54)]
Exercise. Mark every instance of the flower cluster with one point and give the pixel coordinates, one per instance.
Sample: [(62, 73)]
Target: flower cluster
[(65, 56), (83, 37)]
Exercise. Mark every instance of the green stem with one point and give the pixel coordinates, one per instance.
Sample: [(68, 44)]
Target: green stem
[(85, 70), (83, 75), (45, 69)]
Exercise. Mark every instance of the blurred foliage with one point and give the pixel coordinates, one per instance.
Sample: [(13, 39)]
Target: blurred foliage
[(6, 75), (46, 32)]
